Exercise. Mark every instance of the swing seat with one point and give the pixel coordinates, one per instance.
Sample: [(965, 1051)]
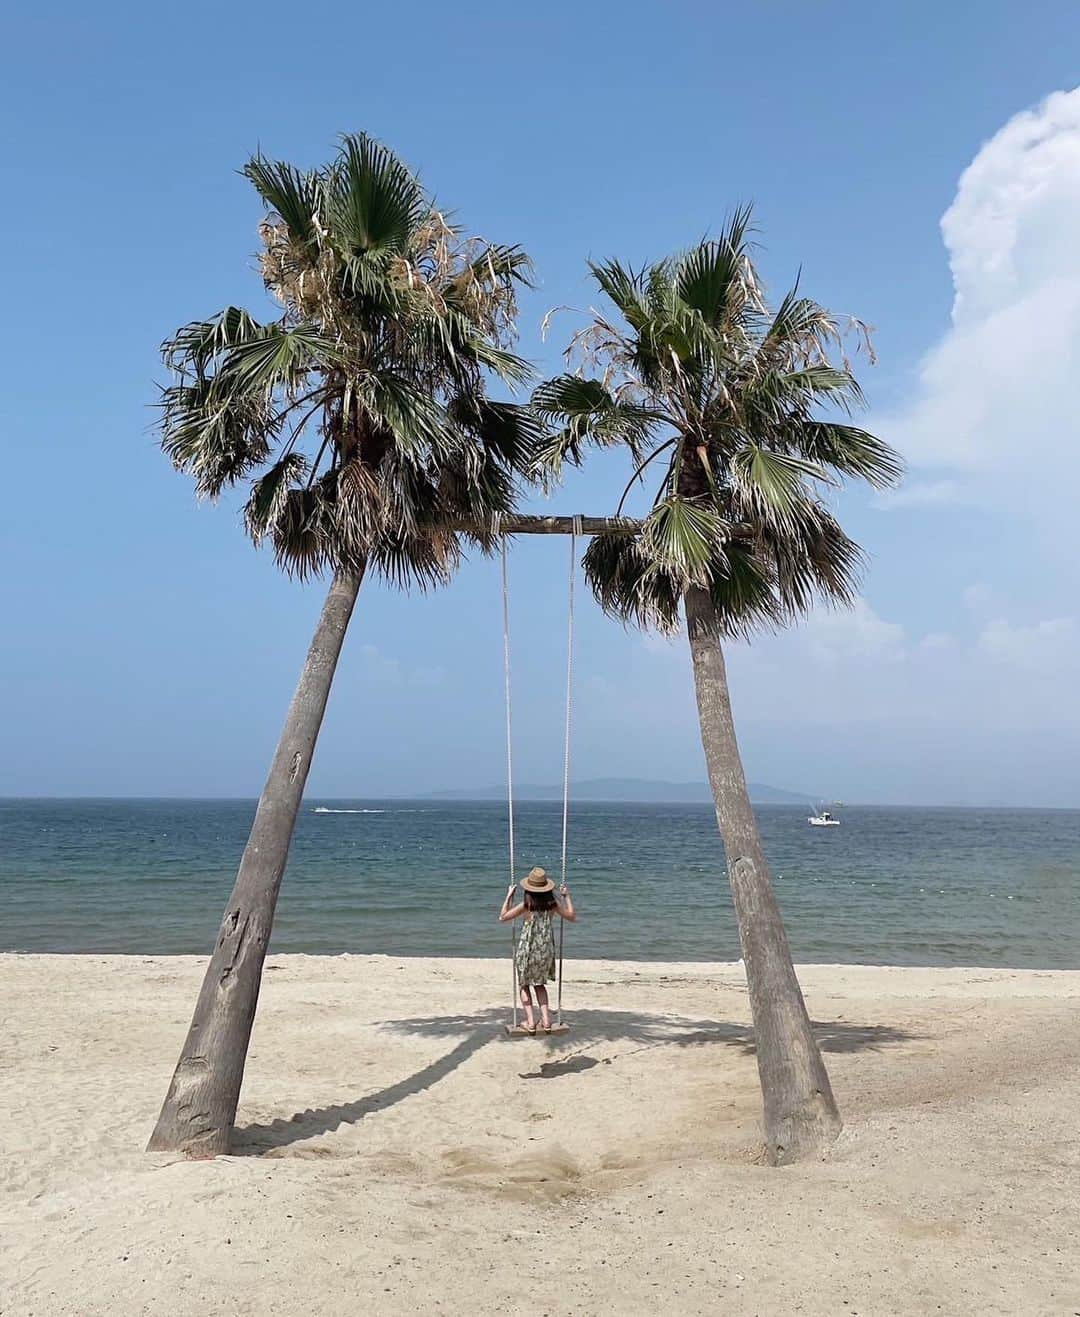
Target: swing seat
[(519, 1031)]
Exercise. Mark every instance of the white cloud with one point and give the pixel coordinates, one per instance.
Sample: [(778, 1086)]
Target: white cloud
[(859, 706), (994, 408), (1052, 644), (855, 668), (855, 643), (835, 636), (936, 642)]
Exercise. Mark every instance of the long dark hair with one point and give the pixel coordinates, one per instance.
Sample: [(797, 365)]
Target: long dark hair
[(539, 900)]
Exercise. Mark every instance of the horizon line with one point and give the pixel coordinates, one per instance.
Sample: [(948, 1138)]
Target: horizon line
[(432, 798)]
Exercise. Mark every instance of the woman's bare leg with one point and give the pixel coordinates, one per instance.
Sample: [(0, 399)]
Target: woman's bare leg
[(527, 1006), (542, 1002)]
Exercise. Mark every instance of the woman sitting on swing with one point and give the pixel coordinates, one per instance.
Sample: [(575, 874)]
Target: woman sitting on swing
[(534, 958)]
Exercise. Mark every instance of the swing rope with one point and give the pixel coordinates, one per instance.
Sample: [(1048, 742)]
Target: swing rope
[(576, 531), (509, 760)]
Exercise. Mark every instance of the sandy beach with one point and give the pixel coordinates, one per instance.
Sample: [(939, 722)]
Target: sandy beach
[(397, 1153)]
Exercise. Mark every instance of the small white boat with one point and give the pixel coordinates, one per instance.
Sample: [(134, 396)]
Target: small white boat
[(823, 819)]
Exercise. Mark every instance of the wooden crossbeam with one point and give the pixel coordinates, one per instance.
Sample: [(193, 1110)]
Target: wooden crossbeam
[(525, 524)]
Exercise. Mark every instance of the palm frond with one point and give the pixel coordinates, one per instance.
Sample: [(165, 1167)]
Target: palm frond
[(266, 502), (625, 288), (289, 193), (717, 278), (581, 410), (682, 536), (850, 451), (375, 204), (770, 487), (629, 586), (216, 439), (568, 397), (195, 347), (277, 358), (814, 560), (512, 434), (417, 424), (493, 265), (302, 533), (797, 323), (824, 383), (776, 404), (513, 370), (425, 561), (743, 591)]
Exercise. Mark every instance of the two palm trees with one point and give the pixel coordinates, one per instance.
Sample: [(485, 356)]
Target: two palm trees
[(360, 417)]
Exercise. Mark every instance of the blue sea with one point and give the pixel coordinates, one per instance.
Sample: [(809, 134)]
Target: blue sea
[(889, 886)]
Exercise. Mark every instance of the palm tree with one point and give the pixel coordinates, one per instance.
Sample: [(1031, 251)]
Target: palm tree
[(358, 415), (749, 412)]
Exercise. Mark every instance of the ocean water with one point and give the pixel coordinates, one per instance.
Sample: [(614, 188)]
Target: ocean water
[(889, 886)]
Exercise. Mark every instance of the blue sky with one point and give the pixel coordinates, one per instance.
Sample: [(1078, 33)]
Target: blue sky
[(148, 649)]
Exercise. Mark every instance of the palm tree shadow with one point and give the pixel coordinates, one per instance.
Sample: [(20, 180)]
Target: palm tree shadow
[(254, 1140), (639, 1027), (485, 1028)]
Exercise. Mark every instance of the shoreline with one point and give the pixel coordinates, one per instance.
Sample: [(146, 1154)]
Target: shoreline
[(952, 975), (393, 1145)]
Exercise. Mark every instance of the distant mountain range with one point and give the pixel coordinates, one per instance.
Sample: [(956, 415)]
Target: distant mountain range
[(625, 789)]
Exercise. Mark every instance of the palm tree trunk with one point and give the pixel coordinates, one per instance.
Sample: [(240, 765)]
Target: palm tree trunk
[(200, 1106), (800, 1113)]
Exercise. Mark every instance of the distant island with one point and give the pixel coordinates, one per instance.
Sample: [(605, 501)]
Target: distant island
[(618, 789)]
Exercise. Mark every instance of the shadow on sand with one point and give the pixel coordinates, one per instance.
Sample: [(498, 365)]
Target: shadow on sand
[(485, 1029)]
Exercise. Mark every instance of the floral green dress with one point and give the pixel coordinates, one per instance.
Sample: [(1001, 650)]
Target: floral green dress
[(535, 954)]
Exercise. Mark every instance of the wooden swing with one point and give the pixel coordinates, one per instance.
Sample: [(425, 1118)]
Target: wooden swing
[(514, 1029)]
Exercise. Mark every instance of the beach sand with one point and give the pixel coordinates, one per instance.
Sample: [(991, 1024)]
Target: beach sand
[(396, 1153)]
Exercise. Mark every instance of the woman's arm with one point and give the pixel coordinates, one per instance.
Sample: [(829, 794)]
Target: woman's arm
[(565, 907), (508, 911)]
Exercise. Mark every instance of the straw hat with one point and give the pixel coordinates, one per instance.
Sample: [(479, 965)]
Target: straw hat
[(537, 881)]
